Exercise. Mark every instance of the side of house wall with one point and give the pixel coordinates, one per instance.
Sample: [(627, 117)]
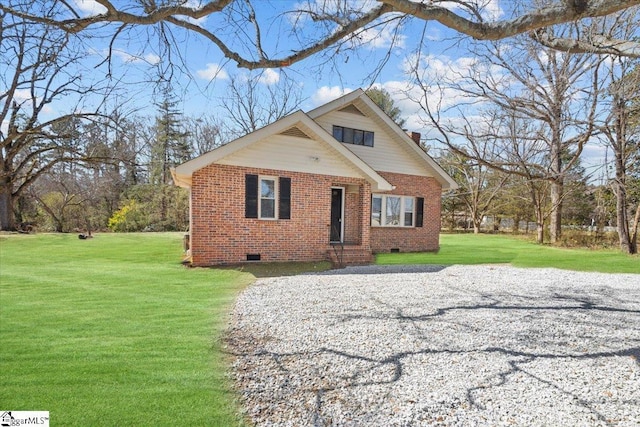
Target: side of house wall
[(220, 233), (415, 239)]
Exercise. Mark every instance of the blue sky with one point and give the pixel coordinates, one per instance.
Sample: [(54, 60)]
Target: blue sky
[(322, 77), (203, 80)]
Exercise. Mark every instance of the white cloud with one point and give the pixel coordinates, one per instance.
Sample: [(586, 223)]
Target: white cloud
[(212, 72), (269, 77), (195, 4), (328, 93), (90, 7), (327, 7), (490, 10), (376, 38), (152, 58), (149, 58), (21, 95)]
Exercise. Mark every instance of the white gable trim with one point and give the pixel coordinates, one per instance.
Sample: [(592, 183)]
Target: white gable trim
[(182, 174), (394, 130)]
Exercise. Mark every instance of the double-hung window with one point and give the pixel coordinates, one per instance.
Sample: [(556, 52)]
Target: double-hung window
[(396, 211), (267, 197), (267, 200)]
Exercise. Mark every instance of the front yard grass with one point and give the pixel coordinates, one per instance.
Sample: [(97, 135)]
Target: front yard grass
[(114, 331), (499, 249)]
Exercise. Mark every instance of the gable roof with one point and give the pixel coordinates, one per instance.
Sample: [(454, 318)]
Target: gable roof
[(182, 174), (359, 100)]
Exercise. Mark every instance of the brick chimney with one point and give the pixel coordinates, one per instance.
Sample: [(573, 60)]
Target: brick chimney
[(416, 137)]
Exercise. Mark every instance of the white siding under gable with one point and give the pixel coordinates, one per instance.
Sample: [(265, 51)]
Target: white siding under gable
[(282, 152), (386, 155)]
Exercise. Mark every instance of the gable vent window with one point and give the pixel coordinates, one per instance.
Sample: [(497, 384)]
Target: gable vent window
[(267, 197), (353, 136)]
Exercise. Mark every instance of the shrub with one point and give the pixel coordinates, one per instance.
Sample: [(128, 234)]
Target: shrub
[(130, 217)]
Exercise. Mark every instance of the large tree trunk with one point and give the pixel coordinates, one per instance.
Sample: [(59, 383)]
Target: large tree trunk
[(620, 184), (476, 220), (7, 215), (555, 222), (555, 219), (633, 239), (539, 225), (624, 235), (540, 232)]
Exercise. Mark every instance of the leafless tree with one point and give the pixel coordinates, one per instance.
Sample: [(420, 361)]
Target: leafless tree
[(256, 100), (40, 68), (479, 185), (555, 93), (241, 31), (63, 201), (622, 132), (205, 133)]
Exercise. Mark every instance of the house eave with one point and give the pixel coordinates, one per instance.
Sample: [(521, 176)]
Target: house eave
[(180, 180), (362, 101), (182, 173)]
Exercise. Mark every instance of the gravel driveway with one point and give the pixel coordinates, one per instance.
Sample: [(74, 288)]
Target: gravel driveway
[(421, 346)]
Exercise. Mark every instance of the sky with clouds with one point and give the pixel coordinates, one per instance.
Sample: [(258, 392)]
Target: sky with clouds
[(205, 73)]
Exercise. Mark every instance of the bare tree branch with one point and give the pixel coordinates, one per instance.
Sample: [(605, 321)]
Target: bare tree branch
[(339, 26), (599, 44), (557, 13)]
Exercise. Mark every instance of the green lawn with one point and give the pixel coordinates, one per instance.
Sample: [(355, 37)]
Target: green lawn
[(114, 331), (492, 249)]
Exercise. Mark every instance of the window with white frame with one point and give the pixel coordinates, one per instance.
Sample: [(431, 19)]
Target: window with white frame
[(393, 211), (267, 197), (267, 200)]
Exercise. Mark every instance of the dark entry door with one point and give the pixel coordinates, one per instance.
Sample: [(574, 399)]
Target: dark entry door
[(336, 215)]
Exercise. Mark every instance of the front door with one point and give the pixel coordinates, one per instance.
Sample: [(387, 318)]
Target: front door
[(337, 203)]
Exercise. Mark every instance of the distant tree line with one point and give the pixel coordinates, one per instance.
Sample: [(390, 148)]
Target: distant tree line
[(513, 122)]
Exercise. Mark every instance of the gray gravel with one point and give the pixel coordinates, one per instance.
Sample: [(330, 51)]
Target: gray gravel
[(454, 346)]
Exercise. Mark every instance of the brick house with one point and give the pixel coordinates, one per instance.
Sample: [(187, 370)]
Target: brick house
[(340, 182)]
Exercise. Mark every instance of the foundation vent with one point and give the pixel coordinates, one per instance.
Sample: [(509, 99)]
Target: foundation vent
[(253, 257)]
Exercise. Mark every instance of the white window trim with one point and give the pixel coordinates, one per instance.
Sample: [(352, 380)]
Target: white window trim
[(276, 189), (383, 210)]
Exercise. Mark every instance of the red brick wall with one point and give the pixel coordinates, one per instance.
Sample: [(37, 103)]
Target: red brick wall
[(425, 238), (220, 234)]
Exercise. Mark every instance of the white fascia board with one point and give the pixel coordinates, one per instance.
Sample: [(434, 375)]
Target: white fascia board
[(439, 174), (188, 168), (183, 181), (182, 173), (378, 183)]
